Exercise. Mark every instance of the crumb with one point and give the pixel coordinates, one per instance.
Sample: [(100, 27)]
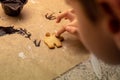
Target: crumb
[(60, 12)]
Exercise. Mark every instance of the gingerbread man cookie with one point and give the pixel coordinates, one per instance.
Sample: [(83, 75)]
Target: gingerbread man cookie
[(51, 41)]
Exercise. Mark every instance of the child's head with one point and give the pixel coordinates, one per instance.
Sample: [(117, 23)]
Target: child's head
[(99, 27)]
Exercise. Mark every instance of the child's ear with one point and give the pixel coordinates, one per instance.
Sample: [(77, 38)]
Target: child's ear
[(114, 28)]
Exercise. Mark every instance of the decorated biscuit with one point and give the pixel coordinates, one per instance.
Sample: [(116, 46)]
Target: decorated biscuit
[(51, 41)]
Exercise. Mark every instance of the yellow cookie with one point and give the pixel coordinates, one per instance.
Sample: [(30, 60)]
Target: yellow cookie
[(51, 41)]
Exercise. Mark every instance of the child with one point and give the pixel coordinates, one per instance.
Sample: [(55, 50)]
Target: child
[(97, 24)]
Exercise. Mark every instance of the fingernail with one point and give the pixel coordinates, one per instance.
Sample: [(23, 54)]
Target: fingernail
[(56, 34)]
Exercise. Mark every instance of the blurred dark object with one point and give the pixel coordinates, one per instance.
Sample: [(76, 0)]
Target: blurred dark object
[(7, 30), (13, 7)]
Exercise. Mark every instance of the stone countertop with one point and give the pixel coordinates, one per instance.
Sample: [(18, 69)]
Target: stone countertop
[(84, 71)]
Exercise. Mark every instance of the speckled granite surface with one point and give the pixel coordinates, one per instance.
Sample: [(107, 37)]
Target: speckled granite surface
[(84, 71)]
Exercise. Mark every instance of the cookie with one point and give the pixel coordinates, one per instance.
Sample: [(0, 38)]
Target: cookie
[(51, 41)]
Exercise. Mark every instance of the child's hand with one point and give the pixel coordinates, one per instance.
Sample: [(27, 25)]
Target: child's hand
[(70, 27)]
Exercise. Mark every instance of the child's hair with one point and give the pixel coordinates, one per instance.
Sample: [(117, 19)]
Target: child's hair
[(91, 9)]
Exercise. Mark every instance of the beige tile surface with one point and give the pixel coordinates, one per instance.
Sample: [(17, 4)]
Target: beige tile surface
[(21, 60)]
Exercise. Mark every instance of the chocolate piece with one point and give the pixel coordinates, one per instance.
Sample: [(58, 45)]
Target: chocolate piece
[(50, 16), (13, 7), (10, 30), (37, 43), (25, 33), (7, 30)]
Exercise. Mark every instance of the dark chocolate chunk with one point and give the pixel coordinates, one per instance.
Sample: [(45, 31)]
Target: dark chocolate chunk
[(10, 30), (50, 16), (7, 30), (37, 43)]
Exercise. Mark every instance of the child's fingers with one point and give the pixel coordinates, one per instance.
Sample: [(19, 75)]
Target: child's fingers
[(71, 29), (61, 16), (59, 32), (66, 15)]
